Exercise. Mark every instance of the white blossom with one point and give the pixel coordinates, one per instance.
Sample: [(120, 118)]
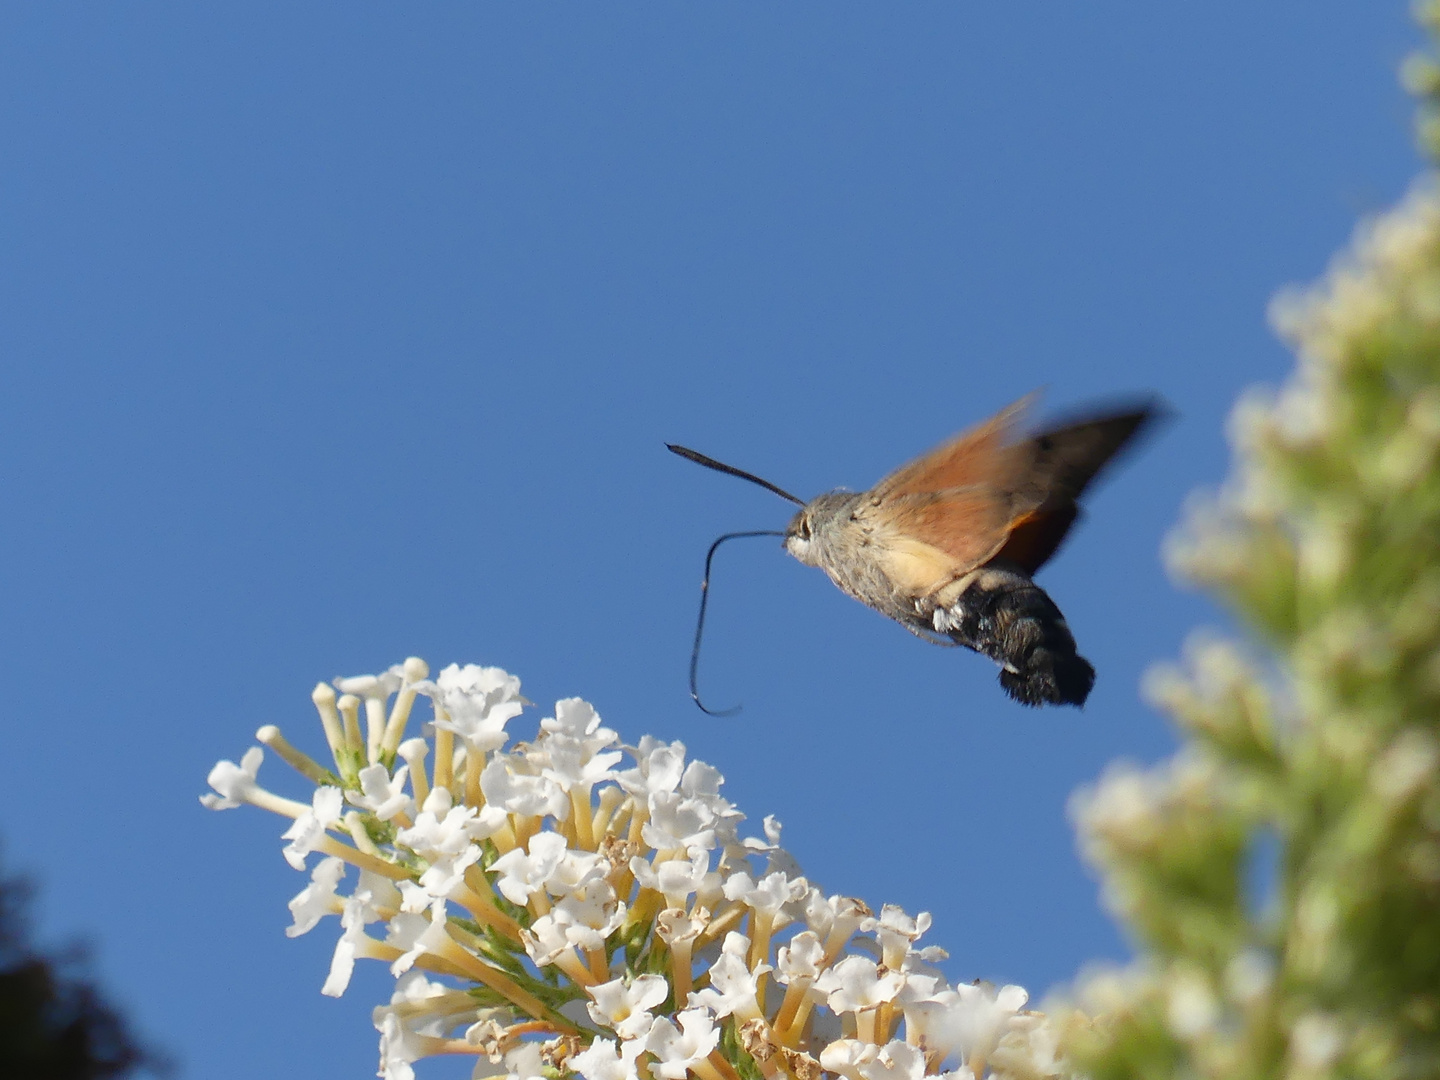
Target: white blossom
[(317, 899), (476, 703), (856, 983), (563, 875), (623, 1008), (676, 879), (800, 960), (404, 1037), (679, 822), (768, 895), (680, 1045), (523, 1062), (445, 829), (605, 1061), (658, 768), (509, 784), (580, 920), (734, 984), (524, 873), (432, 936), (383, 794), (352, 921), (307, 830), (235, 783), (895, 1061), (969, 1020)]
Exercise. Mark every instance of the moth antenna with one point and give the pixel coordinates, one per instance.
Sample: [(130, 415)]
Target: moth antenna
[(720, 466), (705, 600)]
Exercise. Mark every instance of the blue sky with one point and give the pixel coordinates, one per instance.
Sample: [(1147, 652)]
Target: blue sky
[(336, 333)]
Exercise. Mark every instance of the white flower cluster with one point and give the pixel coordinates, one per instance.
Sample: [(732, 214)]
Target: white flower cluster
[(586, 918)]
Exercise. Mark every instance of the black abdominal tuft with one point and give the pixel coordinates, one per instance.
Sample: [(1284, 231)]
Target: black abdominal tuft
[(1050, 679), (1007, 617)]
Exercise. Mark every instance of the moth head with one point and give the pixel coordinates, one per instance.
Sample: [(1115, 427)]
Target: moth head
[(799, 535), (813, 533)]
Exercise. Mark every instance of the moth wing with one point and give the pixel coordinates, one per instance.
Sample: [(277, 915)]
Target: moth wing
[(1054, 468), (914, 567), (1036, 536), (1058, 464), (927, 540), (955, 502), (985, 494), (984, 454)]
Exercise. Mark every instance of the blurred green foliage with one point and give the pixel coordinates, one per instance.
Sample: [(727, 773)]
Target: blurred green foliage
[(1281, 875)]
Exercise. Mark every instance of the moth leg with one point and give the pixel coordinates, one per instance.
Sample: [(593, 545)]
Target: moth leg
[(1004, 615), (924, 633)]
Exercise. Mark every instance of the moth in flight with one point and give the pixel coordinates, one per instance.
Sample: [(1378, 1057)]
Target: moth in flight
[(948, 545)]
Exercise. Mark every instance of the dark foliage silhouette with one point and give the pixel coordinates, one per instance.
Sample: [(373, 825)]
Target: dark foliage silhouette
[(54, 1023)]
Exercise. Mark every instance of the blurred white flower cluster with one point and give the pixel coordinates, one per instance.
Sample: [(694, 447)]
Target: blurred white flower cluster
[(1281, 873), (553, 913)]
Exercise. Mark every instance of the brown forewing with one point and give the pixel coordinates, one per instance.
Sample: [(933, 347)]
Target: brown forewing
[(984, 454), (983, 494), (1057, 466)]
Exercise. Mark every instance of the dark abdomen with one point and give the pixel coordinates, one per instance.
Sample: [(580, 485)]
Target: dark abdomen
[(1007, 617)]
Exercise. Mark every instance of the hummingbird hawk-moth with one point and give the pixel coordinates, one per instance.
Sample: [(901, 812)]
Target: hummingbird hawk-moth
[(948, 545)]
